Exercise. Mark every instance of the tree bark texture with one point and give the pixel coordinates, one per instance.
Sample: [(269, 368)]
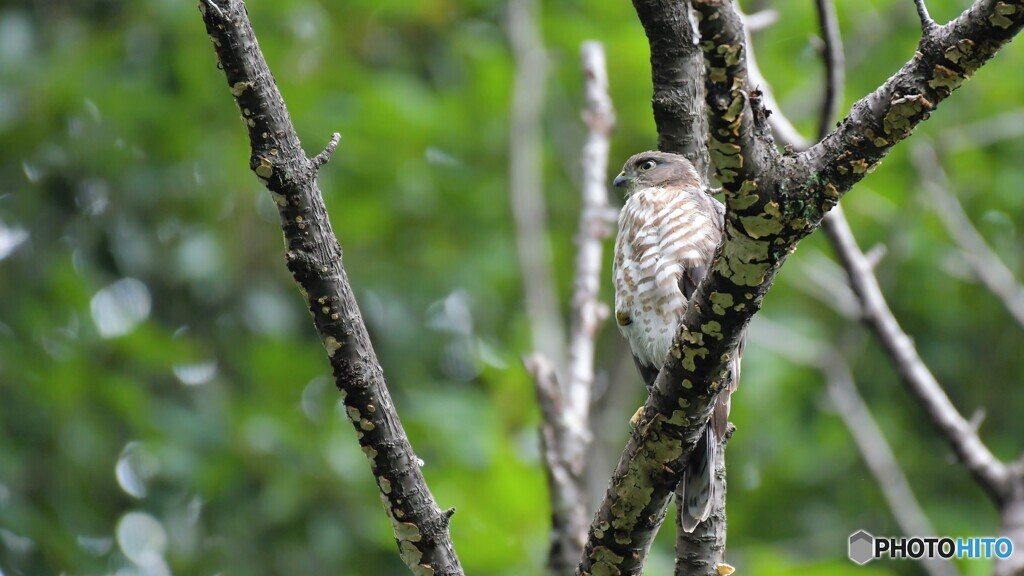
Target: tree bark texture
[(677, 71), (773, 202), (314, 258)]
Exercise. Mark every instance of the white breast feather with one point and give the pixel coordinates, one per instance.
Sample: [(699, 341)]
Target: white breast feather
[(667, 237)]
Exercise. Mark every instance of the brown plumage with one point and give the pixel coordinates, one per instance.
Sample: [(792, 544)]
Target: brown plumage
[(668, 232)]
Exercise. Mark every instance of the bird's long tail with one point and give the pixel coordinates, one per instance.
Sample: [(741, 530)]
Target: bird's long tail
[(698, 487)]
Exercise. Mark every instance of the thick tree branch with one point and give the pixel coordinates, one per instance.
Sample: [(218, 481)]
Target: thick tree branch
[(979, 255), (677, 71), (314, 259), (565, 409), (772, 203)]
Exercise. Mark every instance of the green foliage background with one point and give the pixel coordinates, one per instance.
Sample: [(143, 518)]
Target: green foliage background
[(208, 433)]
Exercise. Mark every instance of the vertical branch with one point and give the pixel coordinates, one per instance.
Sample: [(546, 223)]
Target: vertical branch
[(835, 73), (596, 217), (565, 409), (314, 258), (526, 189), (677, 72)]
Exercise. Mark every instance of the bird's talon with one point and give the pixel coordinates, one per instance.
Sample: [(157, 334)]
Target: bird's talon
[(636, 417)]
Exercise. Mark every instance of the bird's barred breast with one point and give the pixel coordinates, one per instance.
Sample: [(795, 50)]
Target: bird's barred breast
[(661, 233)]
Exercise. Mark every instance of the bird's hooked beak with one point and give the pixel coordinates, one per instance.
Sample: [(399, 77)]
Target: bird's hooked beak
[(620, 180)]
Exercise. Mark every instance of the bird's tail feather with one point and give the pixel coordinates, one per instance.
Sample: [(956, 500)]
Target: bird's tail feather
[(698, 487)]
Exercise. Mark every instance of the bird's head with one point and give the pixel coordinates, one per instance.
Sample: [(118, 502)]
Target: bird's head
[(656, 169)]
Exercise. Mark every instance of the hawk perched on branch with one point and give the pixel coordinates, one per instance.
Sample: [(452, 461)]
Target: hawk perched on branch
[(668, 232)]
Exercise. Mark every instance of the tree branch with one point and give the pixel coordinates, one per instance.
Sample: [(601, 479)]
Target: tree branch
[(946, 57), (772, 203), (526, 190), (835, 73), (596, 219), (677, 71), (991, 474), (565, 410), (979, 255), (314, 259)]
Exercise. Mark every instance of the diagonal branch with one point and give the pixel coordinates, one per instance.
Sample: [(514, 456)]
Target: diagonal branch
[(772, 203), (991, 474), (946, 56), (314, 259), (866, 434), (979, 255), (835, 71)]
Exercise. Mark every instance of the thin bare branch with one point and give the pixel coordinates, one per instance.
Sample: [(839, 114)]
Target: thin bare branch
[(987, 266), (596, 218), (565, 409), (314, 259), (927, 24), (990, 473), (854, 412), (526, 189), (835, 68), (325, 155)]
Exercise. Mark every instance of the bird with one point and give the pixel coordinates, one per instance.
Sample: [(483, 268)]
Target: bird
[(668, 232)]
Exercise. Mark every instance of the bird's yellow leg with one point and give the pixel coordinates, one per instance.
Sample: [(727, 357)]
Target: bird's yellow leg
[(636, 417)]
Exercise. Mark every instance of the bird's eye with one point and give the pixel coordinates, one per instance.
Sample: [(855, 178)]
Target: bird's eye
[(646, 165)]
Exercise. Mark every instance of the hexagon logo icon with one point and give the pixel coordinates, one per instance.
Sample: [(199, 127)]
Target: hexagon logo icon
[(862, 547)]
